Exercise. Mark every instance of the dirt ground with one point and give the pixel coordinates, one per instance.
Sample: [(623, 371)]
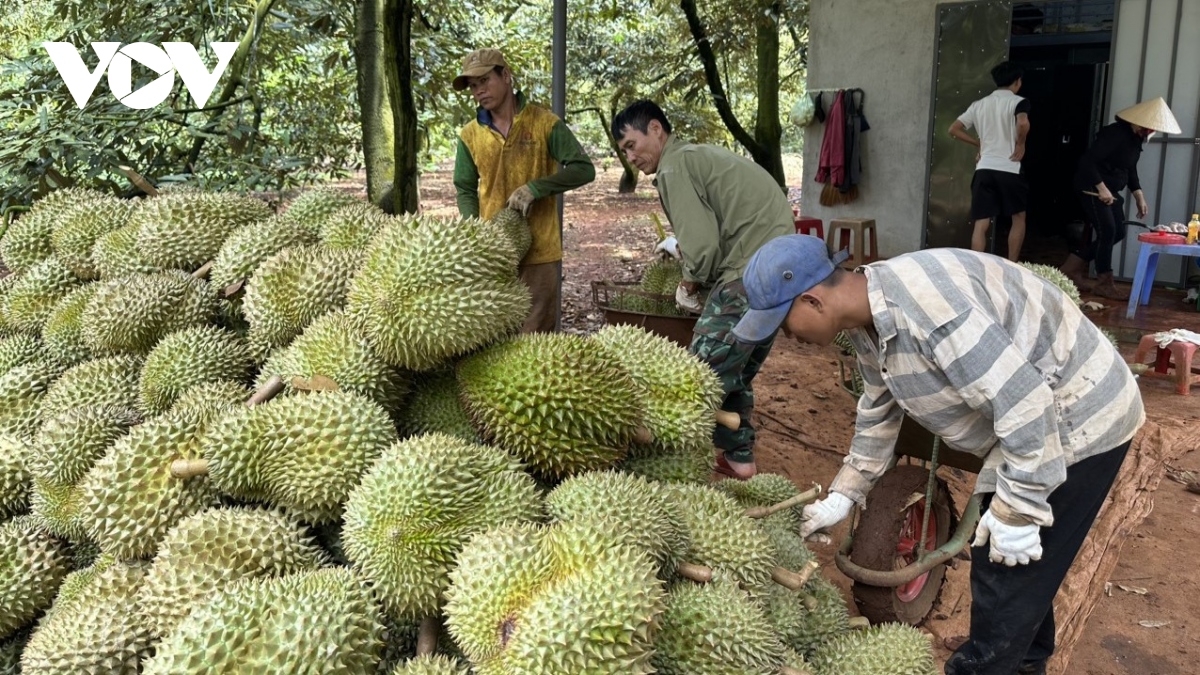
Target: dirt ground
[(806, 421)]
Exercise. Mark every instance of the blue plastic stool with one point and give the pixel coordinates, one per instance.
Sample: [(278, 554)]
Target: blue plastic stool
[(1147, 265)]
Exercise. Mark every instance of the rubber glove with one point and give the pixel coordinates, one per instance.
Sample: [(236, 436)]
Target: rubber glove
[(670, 246), (521, 200), (1011, 544), (825, 514), (688, 301)]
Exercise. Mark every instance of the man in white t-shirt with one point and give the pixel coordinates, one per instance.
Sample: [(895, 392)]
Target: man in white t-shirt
[(1002, 121)]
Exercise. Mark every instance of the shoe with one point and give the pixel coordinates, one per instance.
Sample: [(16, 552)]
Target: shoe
[(1105, 288), (738, 470), (1038, 668), (1076, 269)]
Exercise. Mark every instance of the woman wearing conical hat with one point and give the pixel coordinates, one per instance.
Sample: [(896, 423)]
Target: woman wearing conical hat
[(1105, 170)]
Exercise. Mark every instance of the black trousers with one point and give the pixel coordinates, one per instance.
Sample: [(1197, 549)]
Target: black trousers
[(1108, 223), (1012, 608)]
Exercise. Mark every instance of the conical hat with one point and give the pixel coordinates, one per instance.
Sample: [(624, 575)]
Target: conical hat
[(1153, 114)]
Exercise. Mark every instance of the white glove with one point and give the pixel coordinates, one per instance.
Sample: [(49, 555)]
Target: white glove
[(825, 514), (670, 246), (688, 301), (521, 200), (1011, 544)]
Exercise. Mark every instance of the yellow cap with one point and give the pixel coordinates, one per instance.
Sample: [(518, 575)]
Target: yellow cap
[(479, 62)]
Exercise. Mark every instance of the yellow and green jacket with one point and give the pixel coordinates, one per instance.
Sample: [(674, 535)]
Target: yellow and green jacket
[(489, 166)]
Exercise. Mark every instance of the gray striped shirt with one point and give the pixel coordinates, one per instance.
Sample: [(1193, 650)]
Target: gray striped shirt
[(998, 363)]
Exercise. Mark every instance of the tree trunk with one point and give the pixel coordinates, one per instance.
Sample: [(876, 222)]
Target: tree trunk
[(629, 175), (399, 16), (767, 128), (370, 57)]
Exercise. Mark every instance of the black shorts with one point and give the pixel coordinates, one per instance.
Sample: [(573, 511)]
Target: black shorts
[(997, 193)]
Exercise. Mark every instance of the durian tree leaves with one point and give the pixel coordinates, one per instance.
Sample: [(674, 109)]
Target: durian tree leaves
[(32, 565), (413, 511)]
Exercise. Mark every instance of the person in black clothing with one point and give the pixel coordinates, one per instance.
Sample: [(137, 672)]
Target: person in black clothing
[(1104, 171)]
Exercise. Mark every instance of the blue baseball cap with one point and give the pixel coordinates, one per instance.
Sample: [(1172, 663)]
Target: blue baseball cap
[(782, 270)]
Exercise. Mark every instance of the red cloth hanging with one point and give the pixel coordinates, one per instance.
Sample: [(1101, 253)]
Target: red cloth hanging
[(832, 167)]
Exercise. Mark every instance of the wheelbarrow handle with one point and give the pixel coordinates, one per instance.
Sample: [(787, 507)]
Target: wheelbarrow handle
[(928, 561)]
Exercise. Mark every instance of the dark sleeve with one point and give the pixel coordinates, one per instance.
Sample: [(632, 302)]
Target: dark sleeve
[(577, 169), (1100, 149), (1134, 183), (466, 182), (1022, 107)]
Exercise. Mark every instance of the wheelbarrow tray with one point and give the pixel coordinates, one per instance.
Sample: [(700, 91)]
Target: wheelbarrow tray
[(675, 328)]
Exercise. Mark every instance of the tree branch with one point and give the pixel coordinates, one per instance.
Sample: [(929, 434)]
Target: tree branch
[(713, 77)]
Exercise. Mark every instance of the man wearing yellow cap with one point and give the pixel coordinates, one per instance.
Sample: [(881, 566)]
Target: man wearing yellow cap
[(508, 156)]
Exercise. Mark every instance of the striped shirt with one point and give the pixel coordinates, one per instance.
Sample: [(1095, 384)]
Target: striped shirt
[(998, 363)]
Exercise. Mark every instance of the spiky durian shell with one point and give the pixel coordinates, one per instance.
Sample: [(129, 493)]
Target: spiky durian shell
[(26, 242), (291, 289), (765, 489), (20, 349), (32, 297), (210, 394), (32, 565), (22, 390), (806, 623), (131, 314), (352, 226), (303, 453), (204, 553), (190, 357), (14, 476), (436, 407), (63, 331), (334, 347), (10, 652), (312, 207), (185, 230), (253, 627), (522, 600), (131, 499), (116, 255), (716, 629), (433, 290), (885, 649), (556, 401), (435, 664), (90, 629), (662, 276), (418, 505), (67, 446), (108, 381), (1057, 278), (514, 227), (248, 246), (75, 234), (723, 538)]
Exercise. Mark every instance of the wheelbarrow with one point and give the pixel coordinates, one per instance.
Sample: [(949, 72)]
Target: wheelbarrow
[(675, 328), (897, 548)]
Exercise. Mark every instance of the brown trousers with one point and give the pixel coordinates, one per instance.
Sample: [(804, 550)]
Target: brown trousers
[(542, 280)]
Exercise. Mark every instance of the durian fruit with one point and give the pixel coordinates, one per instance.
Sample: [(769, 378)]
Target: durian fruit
[(26, 242), (187, 358), (130, 315), (248, 246), (204, 553), (116, 254), (321, 621), (20, 349), (885, 649), (435, 407), (90, 629), (185, 230), (111, 380), (676, 465), (807, 621), (532, 599), (556, 401), (418, 505), (22, 390), (765, 489), (649, 518), (222, 393), (796, 662), (32, 297), (7, 280), (433, 664), (333, 347), (10, 652), (312, 207), (430, 291), (662, 276), (715, 629), (14, 476), (790, 551), (515, 229), (723, 538), (1057, 278), (63, 331), (291, 289), (677, 391), (659, 278), (66, 448), (352, 226), (76, 233), (302, 453), (130, 497), (32, 565)]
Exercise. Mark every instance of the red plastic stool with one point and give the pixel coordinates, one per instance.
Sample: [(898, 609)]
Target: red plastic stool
[(1177, 355), (808, 225)]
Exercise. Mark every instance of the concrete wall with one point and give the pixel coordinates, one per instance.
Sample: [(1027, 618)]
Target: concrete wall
[(885, 48)]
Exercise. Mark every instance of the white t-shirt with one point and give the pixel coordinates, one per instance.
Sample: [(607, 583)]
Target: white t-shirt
[(995, 118)]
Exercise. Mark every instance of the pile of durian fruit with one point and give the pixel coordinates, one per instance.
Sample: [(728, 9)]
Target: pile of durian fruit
[(241, 442)]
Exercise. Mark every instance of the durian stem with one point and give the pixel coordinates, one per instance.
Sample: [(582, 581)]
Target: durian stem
[(810, 568), (266, 392), (730, 420), (427, 636), (698, 573), (233, 289), (809, 601), (189, 468), (787, 578), (859, 623), (788, 670), (643, 436), (802, 498), (202, 273)]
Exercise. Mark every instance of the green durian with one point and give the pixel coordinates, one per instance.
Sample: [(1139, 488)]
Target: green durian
[(27, 241), (313, 207), (221, 394), (111, 380), (886, 649), (10, 652), (15, 479), (32, 297), (116, 255), (352, 226), (249, 245), (185, 230), (807, 621), (715, 629), (190, 357), (20, 349), (63, 331), (677, 465), (435, 407), (22, 391), (765, 489), (723, 538), (514, 227), (32, 565), (432, 665), (131, 314), (75, 234), (1056, 278)]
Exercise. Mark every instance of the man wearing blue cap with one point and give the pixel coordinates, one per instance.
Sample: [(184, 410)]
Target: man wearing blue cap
[(997, 362)]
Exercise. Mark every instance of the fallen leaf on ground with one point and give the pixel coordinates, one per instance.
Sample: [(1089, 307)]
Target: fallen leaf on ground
[(1133, 589), (1152, 624)]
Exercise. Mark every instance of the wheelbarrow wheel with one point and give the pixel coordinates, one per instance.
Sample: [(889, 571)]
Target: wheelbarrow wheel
[(887, 537)]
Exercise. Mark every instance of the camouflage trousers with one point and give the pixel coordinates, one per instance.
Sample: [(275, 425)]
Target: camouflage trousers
[(735, 363)]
